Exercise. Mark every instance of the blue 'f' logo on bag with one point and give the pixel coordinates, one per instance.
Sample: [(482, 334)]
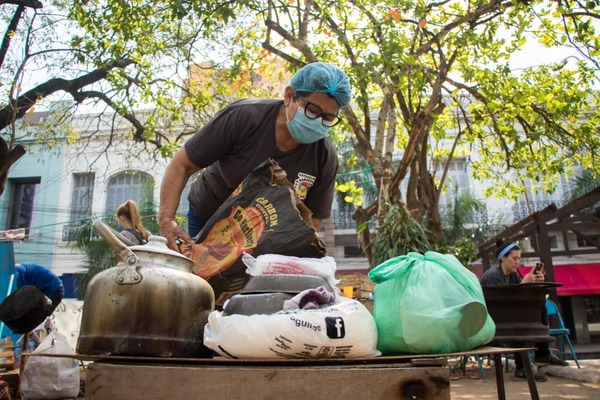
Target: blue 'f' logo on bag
[(335, 327)]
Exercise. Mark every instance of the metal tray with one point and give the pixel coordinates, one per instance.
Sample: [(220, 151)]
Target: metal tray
[(284, 283), (259, 303)]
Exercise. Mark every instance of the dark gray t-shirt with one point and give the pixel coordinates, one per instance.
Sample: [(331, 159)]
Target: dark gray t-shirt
[(495, 276), (242, 136)]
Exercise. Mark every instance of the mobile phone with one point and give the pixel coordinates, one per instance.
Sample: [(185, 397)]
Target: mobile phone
[(538, 267)]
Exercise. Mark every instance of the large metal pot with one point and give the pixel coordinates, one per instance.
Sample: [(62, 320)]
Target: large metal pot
[(149, 304)]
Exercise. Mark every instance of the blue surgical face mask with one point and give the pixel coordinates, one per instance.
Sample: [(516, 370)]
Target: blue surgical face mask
[(305, 130)]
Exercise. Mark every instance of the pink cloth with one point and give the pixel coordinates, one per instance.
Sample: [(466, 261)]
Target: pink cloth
[(310, 299)]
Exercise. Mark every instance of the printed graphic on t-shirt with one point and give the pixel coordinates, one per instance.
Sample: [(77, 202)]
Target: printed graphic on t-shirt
[(303, 183)]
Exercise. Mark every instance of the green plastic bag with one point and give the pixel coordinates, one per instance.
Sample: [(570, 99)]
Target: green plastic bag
[(429, 304)]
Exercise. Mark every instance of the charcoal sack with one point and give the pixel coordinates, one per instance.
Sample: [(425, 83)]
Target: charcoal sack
[(263, 215)]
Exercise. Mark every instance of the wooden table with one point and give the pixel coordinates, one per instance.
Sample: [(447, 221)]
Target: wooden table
[(148, 381), (423, 376), (496, 353)]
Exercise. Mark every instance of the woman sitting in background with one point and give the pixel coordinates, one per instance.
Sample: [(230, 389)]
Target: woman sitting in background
[(128, 217), (509, 260)]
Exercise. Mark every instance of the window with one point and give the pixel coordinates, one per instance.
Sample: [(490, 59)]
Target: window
[(539, 200), (592, 242), (457, 181), (81, 203), (22, 203), (81, 199), (130, 185)]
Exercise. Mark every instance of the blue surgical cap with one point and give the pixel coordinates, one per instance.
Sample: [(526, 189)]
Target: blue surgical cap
[(320, 77)]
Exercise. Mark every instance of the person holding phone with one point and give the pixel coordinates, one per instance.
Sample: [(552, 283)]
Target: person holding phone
[(539, 267), (509, 260)]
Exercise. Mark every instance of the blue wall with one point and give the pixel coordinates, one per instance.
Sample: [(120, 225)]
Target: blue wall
[(47, 165), (7, 268)]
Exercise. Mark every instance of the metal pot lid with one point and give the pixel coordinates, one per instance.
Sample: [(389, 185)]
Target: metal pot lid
[(158, 245)]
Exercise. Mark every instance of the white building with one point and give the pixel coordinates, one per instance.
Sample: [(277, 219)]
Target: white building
[(91, 179)]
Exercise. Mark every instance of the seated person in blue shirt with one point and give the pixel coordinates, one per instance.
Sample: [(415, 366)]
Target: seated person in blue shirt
[(42, 278)]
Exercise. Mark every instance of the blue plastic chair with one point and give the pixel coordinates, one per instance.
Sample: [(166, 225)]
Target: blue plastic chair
[(463, 365), (561, 332)]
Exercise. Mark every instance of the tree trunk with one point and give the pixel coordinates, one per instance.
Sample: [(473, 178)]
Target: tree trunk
[(364, 236), (422, 196), (7, 159)]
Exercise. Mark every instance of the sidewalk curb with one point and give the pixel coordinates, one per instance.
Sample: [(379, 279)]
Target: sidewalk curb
[(590, 375)]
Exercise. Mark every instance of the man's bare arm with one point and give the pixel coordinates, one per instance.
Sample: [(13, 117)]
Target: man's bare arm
[(176, 176)]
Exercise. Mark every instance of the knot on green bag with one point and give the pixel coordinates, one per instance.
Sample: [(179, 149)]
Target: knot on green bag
[(395, 267)]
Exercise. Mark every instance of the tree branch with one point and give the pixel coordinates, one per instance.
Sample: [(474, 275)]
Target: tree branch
[(472, 18), (12, 27), (24, 3), (19, 106)]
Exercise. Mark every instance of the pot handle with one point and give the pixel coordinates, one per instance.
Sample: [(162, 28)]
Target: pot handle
[(130, 275)]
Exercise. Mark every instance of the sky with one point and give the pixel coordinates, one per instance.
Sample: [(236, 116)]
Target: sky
[(533, 54)]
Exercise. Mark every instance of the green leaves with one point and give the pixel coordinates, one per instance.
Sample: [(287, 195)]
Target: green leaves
[(398, 235), (79, 42), (434, 81)]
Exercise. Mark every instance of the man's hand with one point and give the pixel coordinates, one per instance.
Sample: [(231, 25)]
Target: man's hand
[(172, 232)]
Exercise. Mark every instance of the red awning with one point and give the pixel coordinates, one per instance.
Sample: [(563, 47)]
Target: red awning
[(577, 279)]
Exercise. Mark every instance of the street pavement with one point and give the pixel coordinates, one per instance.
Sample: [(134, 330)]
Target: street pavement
[(563, 382), (589, 372)]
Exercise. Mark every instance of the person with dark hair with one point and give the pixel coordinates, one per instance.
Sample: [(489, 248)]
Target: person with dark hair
[(43, 279), (129, 218), (509, 260), (292, 131)]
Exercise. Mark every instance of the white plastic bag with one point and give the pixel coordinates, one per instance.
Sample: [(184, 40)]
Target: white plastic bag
[(50, 377), (269, 264), (343, 330), (36, 336)]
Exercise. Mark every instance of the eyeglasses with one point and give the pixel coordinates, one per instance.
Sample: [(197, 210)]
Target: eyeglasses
[(313, 111)]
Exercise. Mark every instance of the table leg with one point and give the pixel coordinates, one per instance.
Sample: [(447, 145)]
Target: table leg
[(530, 378), (23, 358), (499, 376)]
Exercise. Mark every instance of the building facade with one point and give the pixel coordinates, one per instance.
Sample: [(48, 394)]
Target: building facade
[(52, 191)]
